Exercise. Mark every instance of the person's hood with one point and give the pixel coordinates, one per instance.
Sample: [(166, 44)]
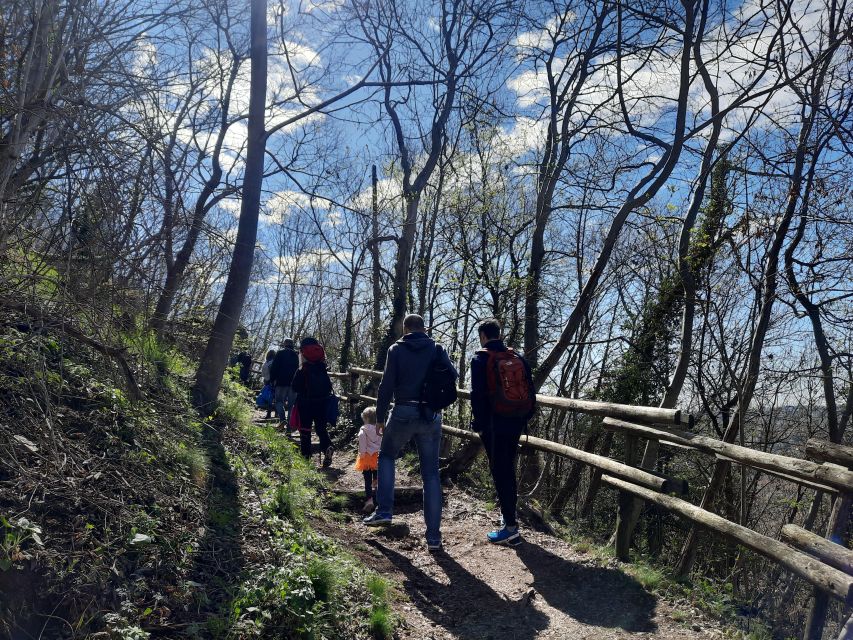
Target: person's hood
[(495, 345), (416, 341)]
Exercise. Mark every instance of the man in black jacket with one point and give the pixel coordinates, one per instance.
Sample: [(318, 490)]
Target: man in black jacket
[(500, 433), (403, 380), (282, 370)]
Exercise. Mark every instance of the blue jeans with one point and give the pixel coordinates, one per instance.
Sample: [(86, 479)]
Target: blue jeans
[(404, 424), (284, 395)]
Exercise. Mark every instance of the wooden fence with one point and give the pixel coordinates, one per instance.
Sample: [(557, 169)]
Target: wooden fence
[(827, 566)]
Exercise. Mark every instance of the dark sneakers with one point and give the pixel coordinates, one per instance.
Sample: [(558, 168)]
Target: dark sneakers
[(327, 457), (376, 520)]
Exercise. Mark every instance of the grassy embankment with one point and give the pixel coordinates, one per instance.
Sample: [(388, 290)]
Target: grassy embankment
[(123, 519)]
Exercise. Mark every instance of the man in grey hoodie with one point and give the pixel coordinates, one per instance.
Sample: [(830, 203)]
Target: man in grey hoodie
[(403, 379)]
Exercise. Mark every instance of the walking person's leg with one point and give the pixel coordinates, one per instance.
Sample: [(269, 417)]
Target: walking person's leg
[(369, 503), (305, 440), (397, 433), (428, 439), (290, 398), (502, 462), (489, 438), (368, 484), (280, 398), (306, 417), (323, 435)]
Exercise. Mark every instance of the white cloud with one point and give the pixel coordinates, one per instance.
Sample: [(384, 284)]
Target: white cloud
[(542, 38), (524, 135), (334, 218), (303, 267), (231, 205), (734, 52), (279, 205), (144, 58), (389, 192), (322, 5)]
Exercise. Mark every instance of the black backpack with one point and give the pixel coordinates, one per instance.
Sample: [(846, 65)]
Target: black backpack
[(317, 381), (439, 387)]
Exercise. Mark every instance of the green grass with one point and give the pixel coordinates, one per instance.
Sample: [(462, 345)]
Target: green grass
[(194, 460), (647, 575), (680, 616), (323, 577), (338, 503), (583, 547), (313, 588), (166, 360), (381, 619)]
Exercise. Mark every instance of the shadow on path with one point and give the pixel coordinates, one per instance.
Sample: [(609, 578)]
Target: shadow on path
[(467, 606), (592, 595), (331, 473), (219, 560)]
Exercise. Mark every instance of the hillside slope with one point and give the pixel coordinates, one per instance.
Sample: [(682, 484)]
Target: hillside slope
[(127, 520)]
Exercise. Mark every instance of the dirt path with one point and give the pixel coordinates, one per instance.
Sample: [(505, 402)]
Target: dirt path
[(540, 589)]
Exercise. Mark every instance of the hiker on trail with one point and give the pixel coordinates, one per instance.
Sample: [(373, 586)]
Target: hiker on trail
[(265, 376), (369, 441), (414, 367), (245, 362), (282, 370), (313, 389), (502, 401)]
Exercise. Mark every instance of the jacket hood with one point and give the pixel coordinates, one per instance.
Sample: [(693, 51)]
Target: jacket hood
[(495, 345), (416, 341)]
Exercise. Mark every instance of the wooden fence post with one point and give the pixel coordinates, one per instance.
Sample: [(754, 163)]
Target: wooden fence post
[(623, 512), (842, 455), (352, 386)]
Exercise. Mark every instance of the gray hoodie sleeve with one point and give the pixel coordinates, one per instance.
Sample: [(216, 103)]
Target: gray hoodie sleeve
[(386, 387)]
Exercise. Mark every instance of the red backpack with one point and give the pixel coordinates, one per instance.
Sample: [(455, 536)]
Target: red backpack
[(510, 393)]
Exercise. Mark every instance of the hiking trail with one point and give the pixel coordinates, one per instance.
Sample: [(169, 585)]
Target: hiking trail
[(541, 589)]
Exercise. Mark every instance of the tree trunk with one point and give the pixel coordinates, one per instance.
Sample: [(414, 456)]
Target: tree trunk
[(215, 358), (399, 288), (427, 244), (690, 265), (376, 279), (595, 477), (346, 347)]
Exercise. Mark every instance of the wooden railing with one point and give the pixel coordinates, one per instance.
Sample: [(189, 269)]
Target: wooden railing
[(824, 564)]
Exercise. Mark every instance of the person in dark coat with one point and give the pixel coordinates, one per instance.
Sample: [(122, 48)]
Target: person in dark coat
[(282, 370), (245, 362), (266, 376), (500, 434), (313, 389), (406, 368)]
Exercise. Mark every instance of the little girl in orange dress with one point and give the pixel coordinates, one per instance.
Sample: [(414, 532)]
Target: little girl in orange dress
[(369, 441)]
